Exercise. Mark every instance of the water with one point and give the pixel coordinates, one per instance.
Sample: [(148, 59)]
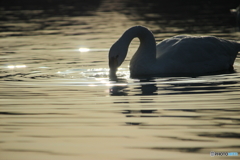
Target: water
[(58, 102)]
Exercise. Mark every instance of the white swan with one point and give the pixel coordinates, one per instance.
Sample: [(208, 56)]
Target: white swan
[(179, 55)]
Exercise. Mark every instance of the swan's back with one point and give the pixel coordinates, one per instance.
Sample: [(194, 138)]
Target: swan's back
[(192, 54)]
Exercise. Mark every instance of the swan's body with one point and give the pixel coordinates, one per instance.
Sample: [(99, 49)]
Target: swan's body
[(179, 55)]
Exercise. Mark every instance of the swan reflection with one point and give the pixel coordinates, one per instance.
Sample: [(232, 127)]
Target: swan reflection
[(172, 86), (146, 90), (119, 88)]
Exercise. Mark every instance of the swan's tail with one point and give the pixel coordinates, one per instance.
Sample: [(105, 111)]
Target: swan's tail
[(237, 51), (235, 46), (238, 48)]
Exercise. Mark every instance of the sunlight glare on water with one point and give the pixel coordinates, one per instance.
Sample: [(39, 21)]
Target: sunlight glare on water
[(84, 49), (16, 66)]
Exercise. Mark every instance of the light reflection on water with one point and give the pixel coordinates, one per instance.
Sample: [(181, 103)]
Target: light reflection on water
[(16, 66), (57, 101)]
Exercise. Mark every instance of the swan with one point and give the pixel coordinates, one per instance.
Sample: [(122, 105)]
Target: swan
[(178, 55)]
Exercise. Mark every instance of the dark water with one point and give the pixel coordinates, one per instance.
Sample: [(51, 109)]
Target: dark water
[(57, 101)]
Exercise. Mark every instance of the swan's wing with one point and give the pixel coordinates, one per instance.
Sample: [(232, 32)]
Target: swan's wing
[(199, 54), (166, 45), (192, 48)]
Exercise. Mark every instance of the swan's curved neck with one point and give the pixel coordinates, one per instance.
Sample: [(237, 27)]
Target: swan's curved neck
[(147, 41)]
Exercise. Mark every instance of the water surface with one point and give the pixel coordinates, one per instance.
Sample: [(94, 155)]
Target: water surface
[(58, 103)]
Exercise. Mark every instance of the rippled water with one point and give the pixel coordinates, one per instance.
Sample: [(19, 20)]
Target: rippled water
[(58, 102)]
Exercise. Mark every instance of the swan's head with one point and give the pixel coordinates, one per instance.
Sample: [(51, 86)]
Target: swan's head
[(116, 56)]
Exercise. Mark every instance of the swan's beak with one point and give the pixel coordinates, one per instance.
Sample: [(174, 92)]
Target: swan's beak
[(113, 65)]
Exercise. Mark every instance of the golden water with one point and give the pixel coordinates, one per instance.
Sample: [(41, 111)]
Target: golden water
[(58, 103)]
